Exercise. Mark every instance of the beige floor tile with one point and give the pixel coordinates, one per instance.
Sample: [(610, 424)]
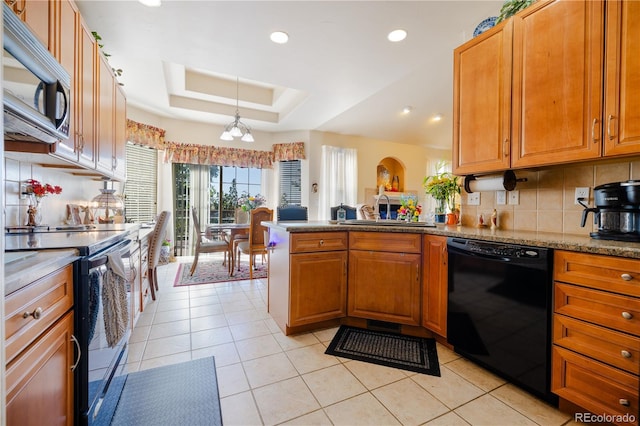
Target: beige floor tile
[(136, 350), (532, 407), (206, 310), (167, 329), (240, 305), (450, 388), (145, 319), (202, 291), (210, 321), (284, 401), (409, 403), (171, 305), (476, 375), (231, 380), (373, 376), (167, 346), (140, 333), (333, 384), (171, 316), (225, 354), (203, 300), (211, 337), (240, 410), (326, 335), (311, 358), (241, 317), (165, 360), (295, 341), (449, 419), (269, 369), (445, 355), (361, 410), (257, 347), (489, 411), (249, 330), (317, 418)]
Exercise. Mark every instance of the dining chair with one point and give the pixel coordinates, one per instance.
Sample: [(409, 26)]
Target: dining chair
[(155, 244), (205, 245), (292, 212), (351, 212), (241, 216), (255, 244)]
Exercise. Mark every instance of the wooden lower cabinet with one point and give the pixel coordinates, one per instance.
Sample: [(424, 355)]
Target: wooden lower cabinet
[(40, 380), (384, 286), (318, 287), (435, 284)]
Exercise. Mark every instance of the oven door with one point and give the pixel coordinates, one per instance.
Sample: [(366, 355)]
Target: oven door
[(102, 370)]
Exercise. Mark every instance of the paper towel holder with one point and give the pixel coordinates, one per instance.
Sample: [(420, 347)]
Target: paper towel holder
[(508, 183)]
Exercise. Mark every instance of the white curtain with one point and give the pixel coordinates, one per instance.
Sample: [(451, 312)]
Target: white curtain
[(200, 182), (338, 179)]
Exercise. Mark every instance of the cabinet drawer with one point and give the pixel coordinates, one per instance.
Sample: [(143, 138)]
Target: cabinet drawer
[(47, 299), (385, 241), (613, 348), (608, 273), (615, 311), (594, 386), (318, 241)]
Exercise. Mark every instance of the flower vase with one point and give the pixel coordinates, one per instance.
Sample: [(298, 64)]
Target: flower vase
[(440, 211), (34, 213)]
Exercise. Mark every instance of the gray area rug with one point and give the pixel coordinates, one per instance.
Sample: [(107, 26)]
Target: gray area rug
[(390, 349), (179, 394)]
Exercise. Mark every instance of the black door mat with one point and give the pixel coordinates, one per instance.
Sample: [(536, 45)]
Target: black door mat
[(409, 353)]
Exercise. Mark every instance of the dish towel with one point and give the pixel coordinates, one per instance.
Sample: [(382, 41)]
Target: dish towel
[(114, 300), (94, 301)]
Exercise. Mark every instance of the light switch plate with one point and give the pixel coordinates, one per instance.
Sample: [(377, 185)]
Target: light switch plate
[(501, 198), (473, 199), (514, 197)]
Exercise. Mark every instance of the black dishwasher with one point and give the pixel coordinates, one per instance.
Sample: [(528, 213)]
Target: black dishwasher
[(499, 311)]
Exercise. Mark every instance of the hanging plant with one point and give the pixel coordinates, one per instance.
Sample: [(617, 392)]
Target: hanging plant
[(98, 38), (511, 7)]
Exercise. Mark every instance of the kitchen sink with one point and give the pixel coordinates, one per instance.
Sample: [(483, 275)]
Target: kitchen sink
[(383, 222)]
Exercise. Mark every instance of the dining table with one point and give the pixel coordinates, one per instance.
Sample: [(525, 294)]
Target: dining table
[(234, 232)]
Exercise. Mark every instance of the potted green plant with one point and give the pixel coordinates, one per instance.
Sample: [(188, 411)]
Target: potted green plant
[(443, 187)]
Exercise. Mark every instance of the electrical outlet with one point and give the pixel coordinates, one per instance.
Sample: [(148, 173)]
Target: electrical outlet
[(473, 199), (582, 192), (514, 197), (501, 198)]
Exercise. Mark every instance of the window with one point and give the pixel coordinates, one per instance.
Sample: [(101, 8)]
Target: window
[(140, 197), (290, 183)]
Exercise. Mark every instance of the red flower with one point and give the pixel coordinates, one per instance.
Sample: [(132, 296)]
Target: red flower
[(39, 190)]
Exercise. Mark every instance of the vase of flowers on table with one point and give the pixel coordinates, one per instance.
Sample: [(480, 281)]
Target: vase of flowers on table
[(249, 202), (443, 187), (409, 208), (36, 192)]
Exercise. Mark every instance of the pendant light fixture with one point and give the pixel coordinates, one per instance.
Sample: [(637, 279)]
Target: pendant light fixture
[(237, 129)]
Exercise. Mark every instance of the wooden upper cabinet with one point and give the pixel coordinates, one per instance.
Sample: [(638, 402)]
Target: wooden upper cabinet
[(622, 79), (35, 13), (85, 97), (482, 102), (120, 133), (557, 82), (104, 161)]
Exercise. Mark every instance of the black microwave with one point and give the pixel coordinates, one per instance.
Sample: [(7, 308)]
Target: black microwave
[(36, 88)]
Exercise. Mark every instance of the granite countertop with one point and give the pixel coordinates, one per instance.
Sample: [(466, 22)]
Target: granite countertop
[(571, 242), (20, 273)]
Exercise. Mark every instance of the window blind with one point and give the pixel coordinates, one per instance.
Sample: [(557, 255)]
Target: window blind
[(290, 180), (140, 189)]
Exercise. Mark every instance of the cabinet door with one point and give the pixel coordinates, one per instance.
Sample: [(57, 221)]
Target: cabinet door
[(40, 380), (120, 132), (482, 102), (35, 13), (318, 287), (85, 99), (622, 79), (104, 161), (434, 284), (557, 82), (384, 286)]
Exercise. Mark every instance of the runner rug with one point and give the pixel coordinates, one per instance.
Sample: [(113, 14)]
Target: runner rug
[(211, 270), (410, 353)]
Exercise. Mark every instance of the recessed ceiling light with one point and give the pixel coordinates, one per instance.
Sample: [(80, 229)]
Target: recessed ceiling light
[(279, 37), (397, 35), (407, 109), (437, 117), (150, 3)]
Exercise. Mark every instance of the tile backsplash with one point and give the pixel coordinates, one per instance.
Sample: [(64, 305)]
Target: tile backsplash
[(546, 199)]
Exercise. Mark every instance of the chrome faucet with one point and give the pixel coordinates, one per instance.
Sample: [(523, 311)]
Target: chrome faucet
[(388, 206)]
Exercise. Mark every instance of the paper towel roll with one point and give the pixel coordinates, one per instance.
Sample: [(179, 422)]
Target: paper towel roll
[(488, 184)]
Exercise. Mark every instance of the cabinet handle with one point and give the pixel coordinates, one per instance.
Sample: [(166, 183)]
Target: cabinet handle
[(609, 120), (321, 243), (624, 402), (19, 12), (35, 314), (74, 340), (627, 315), (625, 354), (593, 130), (505, 147), (626, 277)]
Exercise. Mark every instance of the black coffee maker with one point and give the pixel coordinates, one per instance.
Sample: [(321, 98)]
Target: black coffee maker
[(617, 211)]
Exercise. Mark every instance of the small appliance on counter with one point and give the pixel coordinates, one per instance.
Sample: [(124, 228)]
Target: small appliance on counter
[(616, 211)]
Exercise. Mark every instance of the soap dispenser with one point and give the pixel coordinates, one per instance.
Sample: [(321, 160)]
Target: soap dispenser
[(341, 214)]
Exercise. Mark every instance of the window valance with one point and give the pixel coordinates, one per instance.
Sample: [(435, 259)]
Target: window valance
[(219, 156), (288, 151), (145, 135)]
